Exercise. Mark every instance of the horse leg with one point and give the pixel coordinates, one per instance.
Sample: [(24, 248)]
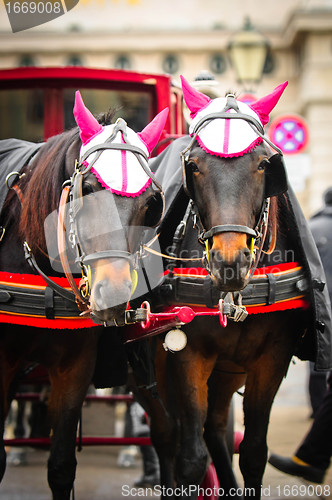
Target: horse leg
[(222, 386), (7, 376), (163, 436), (163, 429), (263, 380), (18, 456), (191, 371), (69, 385)]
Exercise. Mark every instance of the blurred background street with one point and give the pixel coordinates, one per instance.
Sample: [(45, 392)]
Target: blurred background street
[(99, 477)]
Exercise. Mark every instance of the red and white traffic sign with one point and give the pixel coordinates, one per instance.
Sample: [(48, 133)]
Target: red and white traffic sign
[(247, 98), (290, 133)]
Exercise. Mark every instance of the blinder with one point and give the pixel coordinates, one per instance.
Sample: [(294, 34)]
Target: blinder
[(187, 177), (77, 192), (275, 176), (155, 209), (276, 181)]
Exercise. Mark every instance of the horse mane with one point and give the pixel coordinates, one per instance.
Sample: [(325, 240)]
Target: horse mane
[(232, 92), (42, 186), (43, 180)]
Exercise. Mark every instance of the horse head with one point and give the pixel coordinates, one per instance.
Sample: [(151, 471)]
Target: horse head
[(113, 195), (230, 174)]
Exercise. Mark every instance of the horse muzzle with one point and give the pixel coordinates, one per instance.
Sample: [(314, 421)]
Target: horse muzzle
[(229, 261), (111, 290)]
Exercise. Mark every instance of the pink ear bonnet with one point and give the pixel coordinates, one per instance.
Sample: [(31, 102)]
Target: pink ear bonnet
[(223, 137), (118, 171)]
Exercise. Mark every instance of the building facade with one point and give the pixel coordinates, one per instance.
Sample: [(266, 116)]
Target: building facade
[(193, 35)]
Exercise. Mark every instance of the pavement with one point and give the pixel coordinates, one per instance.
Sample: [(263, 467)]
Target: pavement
[(99, 476), (289, 422)]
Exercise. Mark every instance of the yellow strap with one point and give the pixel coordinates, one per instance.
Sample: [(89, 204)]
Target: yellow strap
[(207, 249), (252, 249), (134, 279), (86, 275)]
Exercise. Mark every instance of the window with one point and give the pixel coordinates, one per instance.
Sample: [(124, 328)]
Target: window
[(218, 64), (133, 107), (74, 60), (27, 60), (22, 113), (171, 64), (122, 62), (269, 64)]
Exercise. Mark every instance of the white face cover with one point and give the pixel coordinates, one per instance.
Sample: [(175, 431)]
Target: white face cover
[(226, 137), (118, 171)]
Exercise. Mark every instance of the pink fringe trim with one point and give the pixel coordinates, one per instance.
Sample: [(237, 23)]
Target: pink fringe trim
[(121, 193), (252, 146)]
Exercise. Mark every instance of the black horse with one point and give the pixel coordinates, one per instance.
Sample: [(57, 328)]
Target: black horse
[(100, 172), (243, 215)]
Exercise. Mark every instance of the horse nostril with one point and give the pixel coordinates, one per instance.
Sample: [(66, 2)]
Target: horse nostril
[(242, 257), (216, 256), (106, 295), (247, 254), (99, 290)]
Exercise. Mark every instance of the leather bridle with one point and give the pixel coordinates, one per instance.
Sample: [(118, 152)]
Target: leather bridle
[(72, 198), (258, 233)]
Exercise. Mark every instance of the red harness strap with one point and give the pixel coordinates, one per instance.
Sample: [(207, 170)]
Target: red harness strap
[(30, 281), (300, 302)]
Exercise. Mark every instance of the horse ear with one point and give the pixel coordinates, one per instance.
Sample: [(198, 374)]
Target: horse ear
[(264, 106), (85, 120), (194, 99), (151, 133)]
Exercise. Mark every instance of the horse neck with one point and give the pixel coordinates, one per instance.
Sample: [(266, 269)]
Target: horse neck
[(24, 221)]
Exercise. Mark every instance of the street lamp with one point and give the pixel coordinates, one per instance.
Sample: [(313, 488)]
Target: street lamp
[(247, 51)]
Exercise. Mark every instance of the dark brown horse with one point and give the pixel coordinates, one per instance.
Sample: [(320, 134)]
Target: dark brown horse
[(87, 164), (229, 178)]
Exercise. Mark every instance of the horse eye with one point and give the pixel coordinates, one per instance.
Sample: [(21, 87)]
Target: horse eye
[(87, 188), (193, 166), (263, 164)]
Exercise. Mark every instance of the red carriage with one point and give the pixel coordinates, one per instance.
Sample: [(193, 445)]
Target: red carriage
[(42, 100), (48, 96)]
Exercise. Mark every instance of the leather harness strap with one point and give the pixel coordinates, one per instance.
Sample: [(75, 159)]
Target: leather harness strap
[(228, 228), (81, 303), (262, 290), (66, 294)]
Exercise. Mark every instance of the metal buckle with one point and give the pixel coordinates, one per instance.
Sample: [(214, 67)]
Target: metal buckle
[(11, 174), (235, 312)]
